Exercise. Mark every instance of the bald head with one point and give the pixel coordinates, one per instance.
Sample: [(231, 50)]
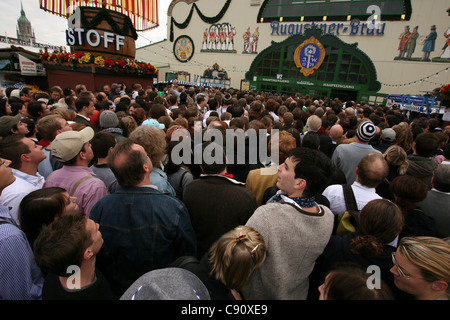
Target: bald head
[(372, 170), (130, 164), (336, 132)]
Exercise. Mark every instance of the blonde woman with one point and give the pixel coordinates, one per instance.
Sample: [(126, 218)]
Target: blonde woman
[(226, 268), (422, 267), (235, 256)]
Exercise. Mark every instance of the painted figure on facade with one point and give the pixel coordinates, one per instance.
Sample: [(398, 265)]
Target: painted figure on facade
[(255, 38), (251, 41), (412, 42), (231, 35), (205, 39), (219, 37), (446, 49), (429, 45), (403, 45), (246, 37)]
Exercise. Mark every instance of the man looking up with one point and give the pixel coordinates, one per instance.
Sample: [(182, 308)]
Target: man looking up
[(73, 150), (143, 228)]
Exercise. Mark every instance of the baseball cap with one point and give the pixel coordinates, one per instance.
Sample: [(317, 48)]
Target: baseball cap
[(388, 134), (15, 93), (68, 144), (153, 122), (7, 123), (167, 284)]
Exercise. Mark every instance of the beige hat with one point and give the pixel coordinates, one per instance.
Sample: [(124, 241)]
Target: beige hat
[(15, 93), (69, 143)]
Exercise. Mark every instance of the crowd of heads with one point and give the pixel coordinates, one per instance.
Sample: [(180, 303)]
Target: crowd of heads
[(135, 129)]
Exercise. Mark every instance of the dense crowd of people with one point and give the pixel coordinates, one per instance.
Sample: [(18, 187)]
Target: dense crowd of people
[(126, 192)]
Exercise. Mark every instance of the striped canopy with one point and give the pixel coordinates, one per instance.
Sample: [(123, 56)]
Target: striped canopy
[(143, 13)]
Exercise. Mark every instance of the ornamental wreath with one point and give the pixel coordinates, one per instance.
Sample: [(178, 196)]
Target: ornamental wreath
[(116, 64)]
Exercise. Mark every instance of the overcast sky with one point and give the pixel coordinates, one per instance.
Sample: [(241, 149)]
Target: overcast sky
[(50, 28)]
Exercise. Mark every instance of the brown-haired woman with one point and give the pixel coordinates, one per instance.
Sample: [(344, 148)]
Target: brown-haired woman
[(379, 224)]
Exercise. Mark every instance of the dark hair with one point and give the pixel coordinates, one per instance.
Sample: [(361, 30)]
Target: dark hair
[(426, 144), (157, 110), (313, 166), (15, 107), (200, 98), (379, 222), (34, 108), (441, 178), (80, 103), (213, 150), (30, 125), (408, 191), (311, 140), (128, 172), (62, 244), (235, 110), (101, 142), (39, 208), (3, 107), (12, 148), (348, 281)]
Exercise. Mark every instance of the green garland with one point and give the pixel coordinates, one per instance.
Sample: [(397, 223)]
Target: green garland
[(103, 15), (206, 19)]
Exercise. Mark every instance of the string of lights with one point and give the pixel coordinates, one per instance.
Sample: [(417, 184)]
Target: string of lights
[(425, 79)]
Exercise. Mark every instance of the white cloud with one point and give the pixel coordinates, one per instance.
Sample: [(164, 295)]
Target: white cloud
[(50, 28)]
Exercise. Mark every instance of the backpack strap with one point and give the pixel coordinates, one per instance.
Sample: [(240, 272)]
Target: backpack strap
[(78, 184), (350, 201)]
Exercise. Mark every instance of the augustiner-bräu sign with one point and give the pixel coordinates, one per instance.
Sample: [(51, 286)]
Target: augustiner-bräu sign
[(353, 28)]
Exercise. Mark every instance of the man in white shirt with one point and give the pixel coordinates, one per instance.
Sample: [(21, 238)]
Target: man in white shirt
[(25, 157), (370, 172)]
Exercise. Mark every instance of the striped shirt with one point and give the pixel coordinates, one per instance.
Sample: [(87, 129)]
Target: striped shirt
[(20, 277)]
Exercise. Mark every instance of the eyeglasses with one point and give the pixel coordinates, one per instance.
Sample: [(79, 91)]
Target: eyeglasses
[(400, 270)]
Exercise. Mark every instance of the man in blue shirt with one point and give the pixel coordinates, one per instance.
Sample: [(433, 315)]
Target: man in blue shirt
[(143, 229), (20, 277)]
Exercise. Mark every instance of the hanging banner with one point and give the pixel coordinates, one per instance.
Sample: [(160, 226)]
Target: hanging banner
[(27, 67)]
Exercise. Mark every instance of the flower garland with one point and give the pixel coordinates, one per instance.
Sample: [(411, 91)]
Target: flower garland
[(445, 91), (116, 64)]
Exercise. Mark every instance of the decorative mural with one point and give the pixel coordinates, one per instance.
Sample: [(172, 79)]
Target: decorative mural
[(183, 48), (251, 41), (445, 53), (410, 40), (219, 38)]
